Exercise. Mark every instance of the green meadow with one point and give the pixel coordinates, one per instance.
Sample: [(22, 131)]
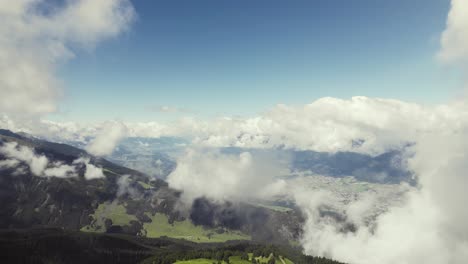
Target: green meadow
[(235, 260), (160, 226), (115, 212)]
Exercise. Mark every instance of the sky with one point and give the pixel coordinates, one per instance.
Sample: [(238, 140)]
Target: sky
[(309, 75), (240, 58)]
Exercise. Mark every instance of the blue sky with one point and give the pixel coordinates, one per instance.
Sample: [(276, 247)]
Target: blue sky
[(240, 58)]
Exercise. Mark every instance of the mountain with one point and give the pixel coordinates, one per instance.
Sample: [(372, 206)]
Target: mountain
[(28, 200), (152, 156), (46, 184), (157, 157), (386, 168)]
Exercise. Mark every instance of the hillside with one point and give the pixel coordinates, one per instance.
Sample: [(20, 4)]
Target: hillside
[(121, 200)]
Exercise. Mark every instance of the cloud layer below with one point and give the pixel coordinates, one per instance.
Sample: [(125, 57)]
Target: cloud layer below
[(428, 227), (360, 124)]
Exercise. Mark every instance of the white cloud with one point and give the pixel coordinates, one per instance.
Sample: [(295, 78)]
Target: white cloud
[(35, 37), (36, 163), (60, 170), (454, 40), (327, 124), (40, 166), (430, 225), (107, 139), (207, 172), (9, 163), (91, 171), (124, 183)]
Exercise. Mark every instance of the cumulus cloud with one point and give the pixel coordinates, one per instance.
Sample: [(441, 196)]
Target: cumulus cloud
[(39, 165), (60, 170), (107, 139), (428, 227), (36, 163), (454, 40), (219, 176), (36, 37), (359, 124), (330, 125)]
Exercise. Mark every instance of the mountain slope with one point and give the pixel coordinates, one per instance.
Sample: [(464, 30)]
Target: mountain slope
[(28, 200), (119, 200)]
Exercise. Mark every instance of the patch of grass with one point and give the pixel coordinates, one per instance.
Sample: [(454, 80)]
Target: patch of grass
[(107, 170), (276, 208), (234, 260), (294, 243), (144, 185), (187, 230), (197, 261), (238, 260), (285, 260), (263, 259), (113, 211), (279, 259), (273, 207)]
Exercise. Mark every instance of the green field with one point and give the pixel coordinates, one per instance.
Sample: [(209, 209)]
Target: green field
[(272, 207), (275, 208), (159, 226), (234, 260), (113, 211), (186, 230), (144, 185), (262, 259), (238, 260)]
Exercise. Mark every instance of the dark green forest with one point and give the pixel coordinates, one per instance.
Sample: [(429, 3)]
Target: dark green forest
[(52, 245)]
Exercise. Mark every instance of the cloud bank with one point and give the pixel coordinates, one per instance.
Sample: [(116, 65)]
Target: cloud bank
[(359, 124), (428, 227), (36, 37)]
